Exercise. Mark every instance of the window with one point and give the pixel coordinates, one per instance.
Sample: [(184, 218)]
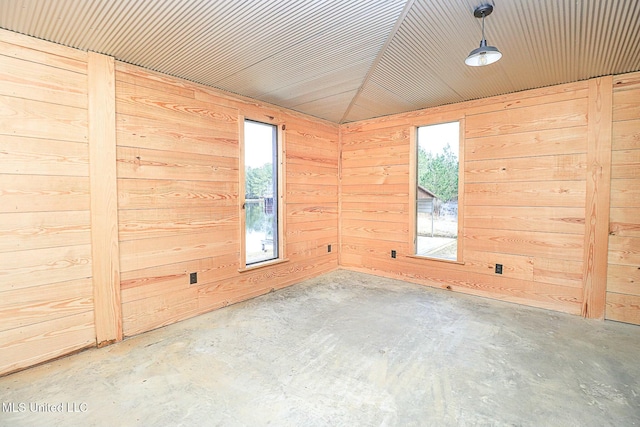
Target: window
[(261, 205), (437, 189)]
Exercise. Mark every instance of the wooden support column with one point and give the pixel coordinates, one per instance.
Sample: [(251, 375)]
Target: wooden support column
[(104, 199), (597, 202)]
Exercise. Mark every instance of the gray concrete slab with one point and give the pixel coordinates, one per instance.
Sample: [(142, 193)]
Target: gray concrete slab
[(346, 349)]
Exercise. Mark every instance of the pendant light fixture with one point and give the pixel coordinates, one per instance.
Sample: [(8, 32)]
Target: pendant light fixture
[(484, 55)]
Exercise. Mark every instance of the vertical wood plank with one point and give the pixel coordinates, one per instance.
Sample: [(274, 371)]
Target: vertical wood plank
[(242, 213), (461, 163), (598, 191), (282, 185), (413, 180), (340, 130), (104, 210)]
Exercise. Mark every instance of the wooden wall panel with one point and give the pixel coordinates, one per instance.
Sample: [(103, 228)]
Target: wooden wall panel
[(525, 166), (178, 193), (46, 299), (104, 198), (623, 277), (598, 195)]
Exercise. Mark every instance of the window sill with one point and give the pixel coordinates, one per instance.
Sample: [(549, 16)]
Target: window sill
[(436, 259), (263, 264)]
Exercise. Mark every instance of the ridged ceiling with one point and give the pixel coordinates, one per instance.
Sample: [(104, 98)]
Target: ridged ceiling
[(347, 60)]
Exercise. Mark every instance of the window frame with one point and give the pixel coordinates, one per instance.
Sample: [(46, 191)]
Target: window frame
[(413, 190), (281, 186)]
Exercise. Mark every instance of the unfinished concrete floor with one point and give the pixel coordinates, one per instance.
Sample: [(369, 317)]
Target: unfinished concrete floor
[(347, 349)]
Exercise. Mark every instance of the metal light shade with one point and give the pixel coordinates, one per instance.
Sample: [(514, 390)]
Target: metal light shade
[(484, 55)]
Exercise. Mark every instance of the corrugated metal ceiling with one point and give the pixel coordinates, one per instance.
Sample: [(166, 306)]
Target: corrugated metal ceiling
[(346, 60)]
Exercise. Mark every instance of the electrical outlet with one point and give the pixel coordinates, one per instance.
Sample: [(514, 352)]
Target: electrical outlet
[(393, 253), (328, 248), (498, 268), (193, 278)]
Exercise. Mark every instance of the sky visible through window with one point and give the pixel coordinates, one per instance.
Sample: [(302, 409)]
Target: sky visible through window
[(434, 138), (259, 154)]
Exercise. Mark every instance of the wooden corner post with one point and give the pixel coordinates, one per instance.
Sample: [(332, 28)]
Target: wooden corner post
[(104, 199), (598, 191)]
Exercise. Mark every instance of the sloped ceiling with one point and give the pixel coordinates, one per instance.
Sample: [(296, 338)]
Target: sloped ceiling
[(347, 60)]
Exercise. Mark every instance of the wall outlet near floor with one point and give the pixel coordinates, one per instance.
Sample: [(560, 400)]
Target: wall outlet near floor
[(193, 278), (393, 254), (498, 268)]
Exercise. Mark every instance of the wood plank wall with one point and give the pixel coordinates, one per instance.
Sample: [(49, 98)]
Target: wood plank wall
[(178, 192), (623, 273), (176, 174), (524, 202), (527, 160), (46, 293)]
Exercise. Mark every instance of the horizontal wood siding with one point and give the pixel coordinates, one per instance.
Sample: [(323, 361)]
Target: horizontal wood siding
[(525, 165), (623, 273), (178, 195), (46, 293)]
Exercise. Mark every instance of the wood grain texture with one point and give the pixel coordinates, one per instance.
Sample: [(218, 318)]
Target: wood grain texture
[(145, 253), (453, 112), (150, 103), (624, 250), (566, 167), (624, 164), (559, 298), (32, 156), (626, 135), (39, 342), (547, 142), (154, 133), (76, 62), (624, 222), (179, 186), (533, 118), (140, 284), (104, 199), (140, 163), (309, 231), (623, 308), (46, 297), (515, 266), (310, 173), (148, 223), (528, 243), (41, 304), (46, 51), (625, 193), (529, 193), (597, 197), (625, 104), (387, 174), (38, 119), (302, 212), (525, 218), (624, 81), (524, 190), (164, 194), (558, 271), (42, 193), (41, 82), (623, 279), (40, 230)]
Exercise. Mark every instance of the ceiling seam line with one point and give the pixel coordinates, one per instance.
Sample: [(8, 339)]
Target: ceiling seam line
[(392, 34)]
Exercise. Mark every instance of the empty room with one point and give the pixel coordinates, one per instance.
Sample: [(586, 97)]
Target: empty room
[(320, 213)]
